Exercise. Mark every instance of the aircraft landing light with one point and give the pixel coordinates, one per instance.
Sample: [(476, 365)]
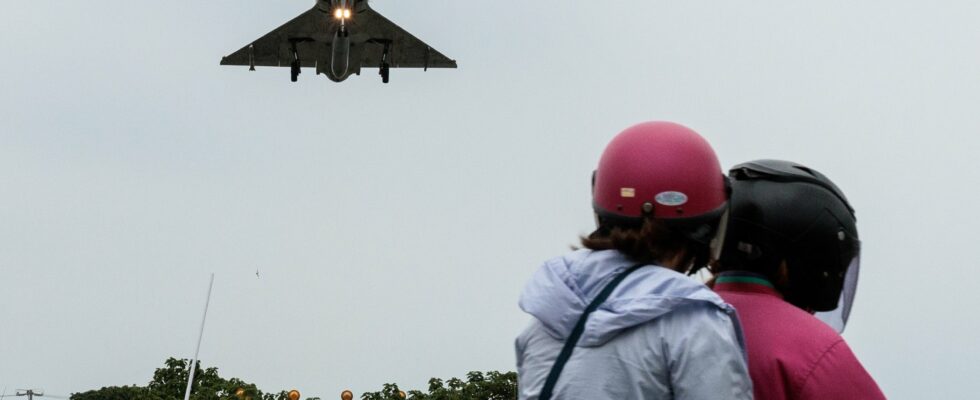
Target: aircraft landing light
[(341, 13)]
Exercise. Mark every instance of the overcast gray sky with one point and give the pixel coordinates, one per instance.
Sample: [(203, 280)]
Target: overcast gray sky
[(395, 225)]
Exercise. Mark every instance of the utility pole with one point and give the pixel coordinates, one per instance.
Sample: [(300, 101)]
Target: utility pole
[(30, 393)]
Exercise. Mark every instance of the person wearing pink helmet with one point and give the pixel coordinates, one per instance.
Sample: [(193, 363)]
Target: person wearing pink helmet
[(620, 319)]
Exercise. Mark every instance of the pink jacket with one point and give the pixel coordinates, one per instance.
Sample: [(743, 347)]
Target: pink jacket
[(793, 355)]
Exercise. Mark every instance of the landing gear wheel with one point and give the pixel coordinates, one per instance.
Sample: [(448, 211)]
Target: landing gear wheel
[(294, 70), (385, 72)]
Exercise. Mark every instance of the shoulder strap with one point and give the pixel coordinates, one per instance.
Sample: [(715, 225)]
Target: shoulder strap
[(573, 338)]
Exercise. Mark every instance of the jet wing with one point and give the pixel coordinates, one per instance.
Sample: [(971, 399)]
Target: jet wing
[(275, 48), (406, 50)]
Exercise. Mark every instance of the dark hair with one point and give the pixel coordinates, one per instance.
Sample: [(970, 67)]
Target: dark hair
[(650, 242)]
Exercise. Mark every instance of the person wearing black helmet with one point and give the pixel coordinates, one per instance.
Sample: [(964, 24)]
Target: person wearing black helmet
[(789, 258)]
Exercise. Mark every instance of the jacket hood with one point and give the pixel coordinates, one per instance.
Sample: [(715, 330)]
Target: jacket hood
[(563, 287)]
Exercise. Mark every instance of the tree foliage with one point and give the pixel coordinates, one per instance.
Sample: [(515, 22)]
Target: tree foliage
[(113, 393), (170, 381), (492, 385)]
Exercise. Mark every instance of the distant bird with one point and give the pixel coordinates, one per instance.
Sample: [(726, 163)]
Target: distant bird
[(256, 273)]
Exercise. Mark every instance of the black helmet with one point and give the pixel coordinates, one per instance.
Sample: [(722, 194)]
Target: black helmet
[(780, 210)]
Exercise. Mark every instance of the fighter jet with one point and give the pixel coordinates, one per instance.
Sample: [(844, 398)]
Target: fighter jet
[(338, 38)]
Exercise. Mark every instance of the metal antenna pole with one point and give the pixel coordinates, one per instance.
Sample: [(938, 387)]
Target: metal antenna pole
[(190, 378), (30, 393)]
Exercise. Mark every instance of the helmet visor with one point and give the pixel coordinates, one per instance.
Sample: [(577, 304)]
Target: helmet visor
[(837, 318)]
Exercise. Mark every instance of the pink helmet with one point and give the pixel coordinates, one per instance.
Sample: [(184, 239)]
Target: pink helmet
[(659, 169)]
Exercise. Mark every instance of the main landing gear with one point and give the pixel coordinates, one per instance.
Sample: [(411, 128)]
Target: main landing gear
[(294, 70), (384, 69), (294, 67), (384, 72)]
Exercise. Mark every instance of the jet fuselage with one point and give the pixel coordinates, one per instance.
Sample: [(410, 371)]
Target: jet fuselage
[(340, 13)]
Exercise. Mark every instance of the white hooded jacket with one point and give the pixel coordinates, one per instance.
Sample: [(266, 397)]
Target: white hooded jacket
[(659, 335)]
